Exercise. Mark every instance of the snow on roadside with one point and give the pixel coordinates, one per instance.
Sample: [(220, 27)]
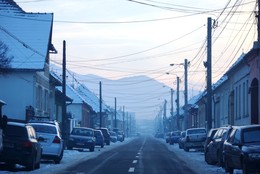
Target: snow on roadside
[(72, 157), (196, 160)]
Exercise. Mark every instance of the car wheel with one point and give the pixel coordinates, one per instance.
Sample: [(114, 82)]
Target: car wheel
[(58, 158), (186, 149), (31, 165), (69, 147), (227, 168), (92, 149), (208, 158), (220, 160), (37, 166), (245, 168)]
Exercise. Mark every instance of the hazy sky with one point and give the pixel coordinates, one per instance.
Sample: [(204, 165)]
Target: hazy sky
[(121, 38)]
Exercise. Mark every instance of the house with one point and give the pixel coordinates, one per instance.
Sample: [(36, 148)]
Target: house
[(25, 85), (235, 95)]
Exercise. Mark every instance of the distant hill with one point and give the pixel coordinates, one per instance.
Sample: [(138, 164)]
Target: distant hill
[(140, 94)]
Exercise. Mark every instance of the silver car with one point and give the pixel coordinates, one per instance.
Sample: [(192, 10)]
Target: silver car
[(49, 137)]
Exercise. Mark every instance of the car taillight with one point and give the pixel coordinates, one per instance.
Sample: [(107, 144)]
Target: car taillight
[(56, 140), (27, 144)]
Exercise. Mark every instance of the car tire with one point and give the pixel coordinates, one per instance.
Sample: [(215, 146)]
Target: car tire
[(69, 147), (58, 158), (245, 168), (220, 161), (38, 165), (208, 158), (92, 149), (31, 165), (227, 168), (186, 149)]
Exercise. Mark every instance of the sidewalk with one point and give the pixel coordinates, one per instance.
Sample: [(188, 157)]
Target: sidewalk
[(196, 160)]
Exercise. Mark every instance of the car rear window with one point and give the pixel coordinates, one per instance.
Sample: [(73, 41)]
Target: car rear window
[(252, 136), (82, 132), (16, 131), (196, 131), (44, 129)]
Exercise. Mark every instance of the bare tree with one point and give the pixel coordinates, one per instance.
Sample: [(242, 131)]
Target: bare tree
[(5, 59)]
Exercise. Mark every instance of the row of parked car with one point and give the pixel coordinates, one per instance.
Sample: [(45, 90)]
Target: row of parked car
[(193, 138), (234, 147), (28, 143), (231, 147)]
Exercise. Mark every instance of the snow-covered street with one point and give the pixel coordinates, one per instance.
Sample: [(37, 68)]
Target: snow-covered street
[(193, 158)]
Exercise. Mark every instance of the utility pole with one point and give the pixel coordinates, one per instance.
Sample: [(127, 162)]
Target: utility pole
[(258, 23), (115, 114), (178, 103), (171, 123), (100, 104), (123, 119), (64, 109), (186, 94), (209, 74)]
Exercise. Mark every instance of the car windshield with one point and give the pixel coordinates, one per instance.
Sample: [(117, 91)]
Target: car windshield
[(251, 136), (196, 131), (82, 132), (44, 129)]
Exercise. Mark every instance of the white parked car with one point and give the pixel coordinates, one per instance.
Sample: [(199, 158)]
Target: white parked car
[(49, 136), (194, 139)]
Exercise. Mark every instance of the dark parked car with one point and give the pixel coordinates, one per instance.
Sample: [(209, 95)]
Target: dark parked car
[(82, 137), (113, 136), (181, 139), (100, 141), (194, 139), (120, 136), (242, 149), (50, 139), (209, 137), (174, 137), (214, 149), (106, 135), (20, 146)]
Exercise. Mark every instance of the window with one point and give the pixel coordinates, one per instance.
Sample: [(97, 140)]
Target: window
[(38, 97), (237, 137), (46, 100)]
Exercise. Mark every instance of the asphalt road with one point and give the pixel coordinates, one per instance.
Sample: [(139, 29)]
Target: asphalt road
[(144, 155)]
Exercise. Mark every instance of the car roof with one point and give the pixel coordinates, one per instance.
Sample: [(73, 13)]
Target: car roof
[(87, 128), (18, 124)]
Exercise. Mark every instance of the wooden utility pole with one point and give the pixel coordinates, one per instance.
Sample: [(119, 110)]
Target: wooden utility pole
[(115, 115), (186, 94), (100, 104), (209, 75), (178, 103), (64, 109)]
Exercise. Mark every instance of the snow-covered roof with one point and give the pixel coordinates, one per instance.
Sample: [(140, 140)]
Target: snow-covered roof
[(81, 94), (27, 35), (90, 98)]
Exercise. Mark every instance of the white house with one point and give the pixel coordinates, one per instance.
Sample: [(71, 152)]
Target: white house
[(26, 83)]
